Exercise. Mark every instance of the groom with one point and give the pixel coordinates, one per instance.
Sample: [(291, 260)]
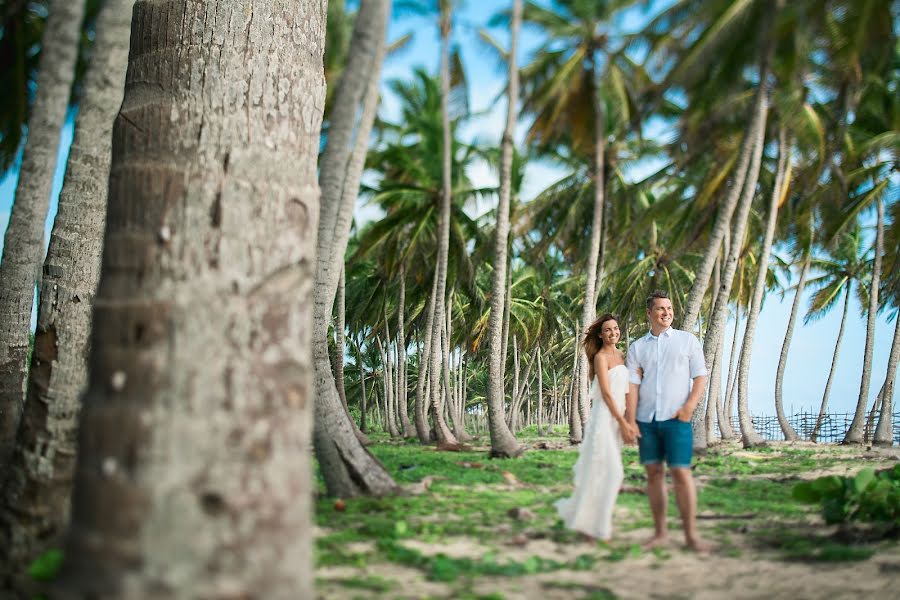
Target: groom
[(667, 376)]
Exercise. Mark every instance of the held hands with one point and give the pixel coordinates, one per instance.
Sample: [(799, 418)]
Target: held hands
[(629, 431)]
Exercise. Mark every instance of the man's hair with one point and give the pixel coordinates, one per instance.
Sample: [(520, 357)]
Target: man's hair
[(651, 299)]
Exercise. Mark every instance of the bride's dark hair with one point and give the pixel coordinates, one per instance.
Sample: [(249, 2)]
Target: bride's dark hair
[(593, 343)]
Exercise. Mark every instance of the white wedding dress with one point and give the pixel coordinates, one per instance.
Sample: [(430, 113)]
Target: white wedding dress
[(598, 471)]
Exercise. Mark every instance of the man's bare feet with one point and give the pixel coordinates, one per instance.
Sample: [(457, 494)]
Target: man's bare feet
[(655, 541), (587, 539), (698, 545)]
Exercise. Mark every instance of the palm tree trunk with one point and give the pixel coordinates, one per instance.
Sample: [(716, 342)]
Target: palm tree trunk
[(591, 275), (834, 359), (575, 431), (869, 431), (855, 433), (717, 319), (389, 380), (338, 358), (459, 429), (749, 150), (715, 380), (403, 408), (511, 417), (347, 467), (362, 385), (540, 398), (339, 340), (444, 436), (43, 461), (197, 417), (789, 433), (23, 244), (725, 428), (423, 432), (782, 181), (884, 435), (439, 388)]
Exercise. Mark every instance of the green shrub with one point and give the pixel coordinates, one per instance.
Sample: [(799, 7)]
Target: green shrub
[(868, 497)]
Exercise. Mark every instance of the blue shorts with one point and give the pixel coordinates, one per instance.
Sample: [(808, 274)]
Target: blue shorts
[(672, 441)]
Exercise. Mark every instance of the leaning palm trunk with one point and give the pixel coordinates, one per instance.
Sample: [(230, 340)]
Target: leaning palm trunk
[(43, 462), (782, 180), (855, 433), (347, 467), (837, 346), (193, 473), (749, 150), (789, 433), (23, 244), (503, 444), (592, 277), (884, 435), (717, 319), (869, 432)]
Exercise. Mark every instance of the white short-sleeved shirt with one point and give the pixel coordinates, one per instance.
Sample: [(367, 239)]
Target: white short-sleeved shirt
[(670, 363)]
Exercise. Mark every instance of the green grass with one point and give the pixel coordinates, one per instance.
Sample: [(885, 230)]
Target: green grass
[(472, 495)]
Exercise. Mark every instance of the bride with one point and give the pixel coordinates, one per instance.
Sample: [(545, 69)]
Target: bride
[(598, 470)]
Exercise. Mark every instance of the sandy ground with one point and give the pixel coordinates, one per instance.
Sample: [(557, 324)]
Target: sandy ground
[(745, 570), (681, 574)]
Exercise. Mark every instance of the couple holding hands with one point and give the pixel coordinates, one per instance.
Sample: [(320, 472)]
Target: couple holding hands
[(646, 397)]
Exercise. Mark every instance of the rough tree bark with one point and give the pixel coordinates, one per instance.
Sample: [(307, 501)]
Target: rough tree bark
[(193, 474), (23, 242), (35, 498), (347, 467)]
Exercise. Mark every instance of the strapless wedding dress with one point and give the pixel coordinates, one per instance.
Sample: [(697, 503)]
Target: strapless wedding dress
[(598, 471)]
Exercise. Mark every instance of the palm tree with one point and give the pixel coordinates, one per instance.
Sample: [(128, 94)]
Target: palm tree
[(571, 88), (855, 432), (503, 443), (409, 190), (782, 180), (711, 61), (44, 458), (806, 248), (348, 468), (196, 371), (22, 24), (841, 269), (23, 243)]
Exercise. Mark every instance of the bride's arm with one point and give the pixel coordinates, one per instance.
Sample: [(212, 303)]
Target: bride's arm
[(601, 368)]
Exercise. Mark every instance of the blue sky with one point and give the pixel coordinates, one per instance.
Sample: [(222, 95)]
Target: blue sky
[(812, 345)]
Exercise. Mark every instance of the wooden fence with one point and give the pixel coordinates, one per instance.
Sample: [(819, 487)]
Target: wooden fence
[(834, 426)]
